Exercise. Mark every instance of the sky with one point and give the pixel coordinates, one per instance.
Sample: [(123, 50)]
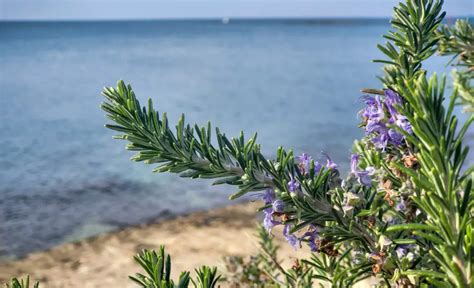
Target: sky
[(166, 9)]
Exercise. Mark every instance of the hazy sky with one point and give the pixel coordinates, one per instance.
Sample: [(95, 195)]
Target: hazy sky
[(159, 9)]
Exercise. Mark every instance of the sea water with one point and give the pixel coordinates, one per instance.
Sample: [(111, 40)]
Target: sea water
[(63, 177)]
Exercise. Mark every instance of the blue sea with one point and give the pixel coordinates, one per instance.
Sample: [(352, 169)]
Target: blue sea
[(63, 177)]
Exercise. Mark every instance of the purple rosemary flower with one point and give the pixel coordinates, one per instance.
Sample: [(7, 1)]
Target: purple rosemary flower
[(381, 141), (329, 163), (293, 186), (402, 250), (375, 127), (362, 176), (312, 235), (374, 109), (317, 167), (269, 198), (402, 206), (354, 163), (376, 122), (392, 98), (268, 221), (305, 162), (393, 221), (278, 206), (383, 136), (402, 122), (395, 137), (290, 238)]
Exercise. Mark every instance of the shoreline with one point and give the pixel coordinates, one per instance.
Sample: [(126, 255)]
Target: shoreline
[(199, 238)]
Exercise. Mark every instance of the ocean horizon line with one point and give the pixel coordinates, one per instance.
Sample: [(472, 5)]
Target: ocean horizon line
[(225, 20)]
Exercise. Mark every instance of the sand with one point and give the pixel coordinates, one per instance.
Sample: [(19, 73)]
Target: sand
[(106, 260)]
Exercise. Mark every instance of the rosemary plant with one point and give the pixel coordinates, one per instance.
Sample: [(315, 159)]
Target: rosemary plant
[(458, 41), (158, 272), (21, 283), (264, 268), (404, 212)]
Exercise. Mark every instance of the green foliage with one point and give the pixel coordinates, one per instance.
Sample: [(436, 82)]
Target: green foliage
[(441, 183), (413, 39), (22, 283), (268, 257), (189, 150), (463, 84), (206, 277), (458, 41), (264, 268), (158, 272), (260, 269), (338, 272), (233, 161)]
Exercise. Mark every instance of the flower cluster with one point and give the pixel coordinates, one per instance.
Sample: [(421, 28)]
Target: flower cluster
[(275, 208), (276, 212), (380, 115), (305, 164)]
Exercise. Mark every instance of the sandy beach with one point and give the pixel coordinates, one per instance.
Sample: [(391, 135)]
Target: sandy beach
[(106, 260)]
